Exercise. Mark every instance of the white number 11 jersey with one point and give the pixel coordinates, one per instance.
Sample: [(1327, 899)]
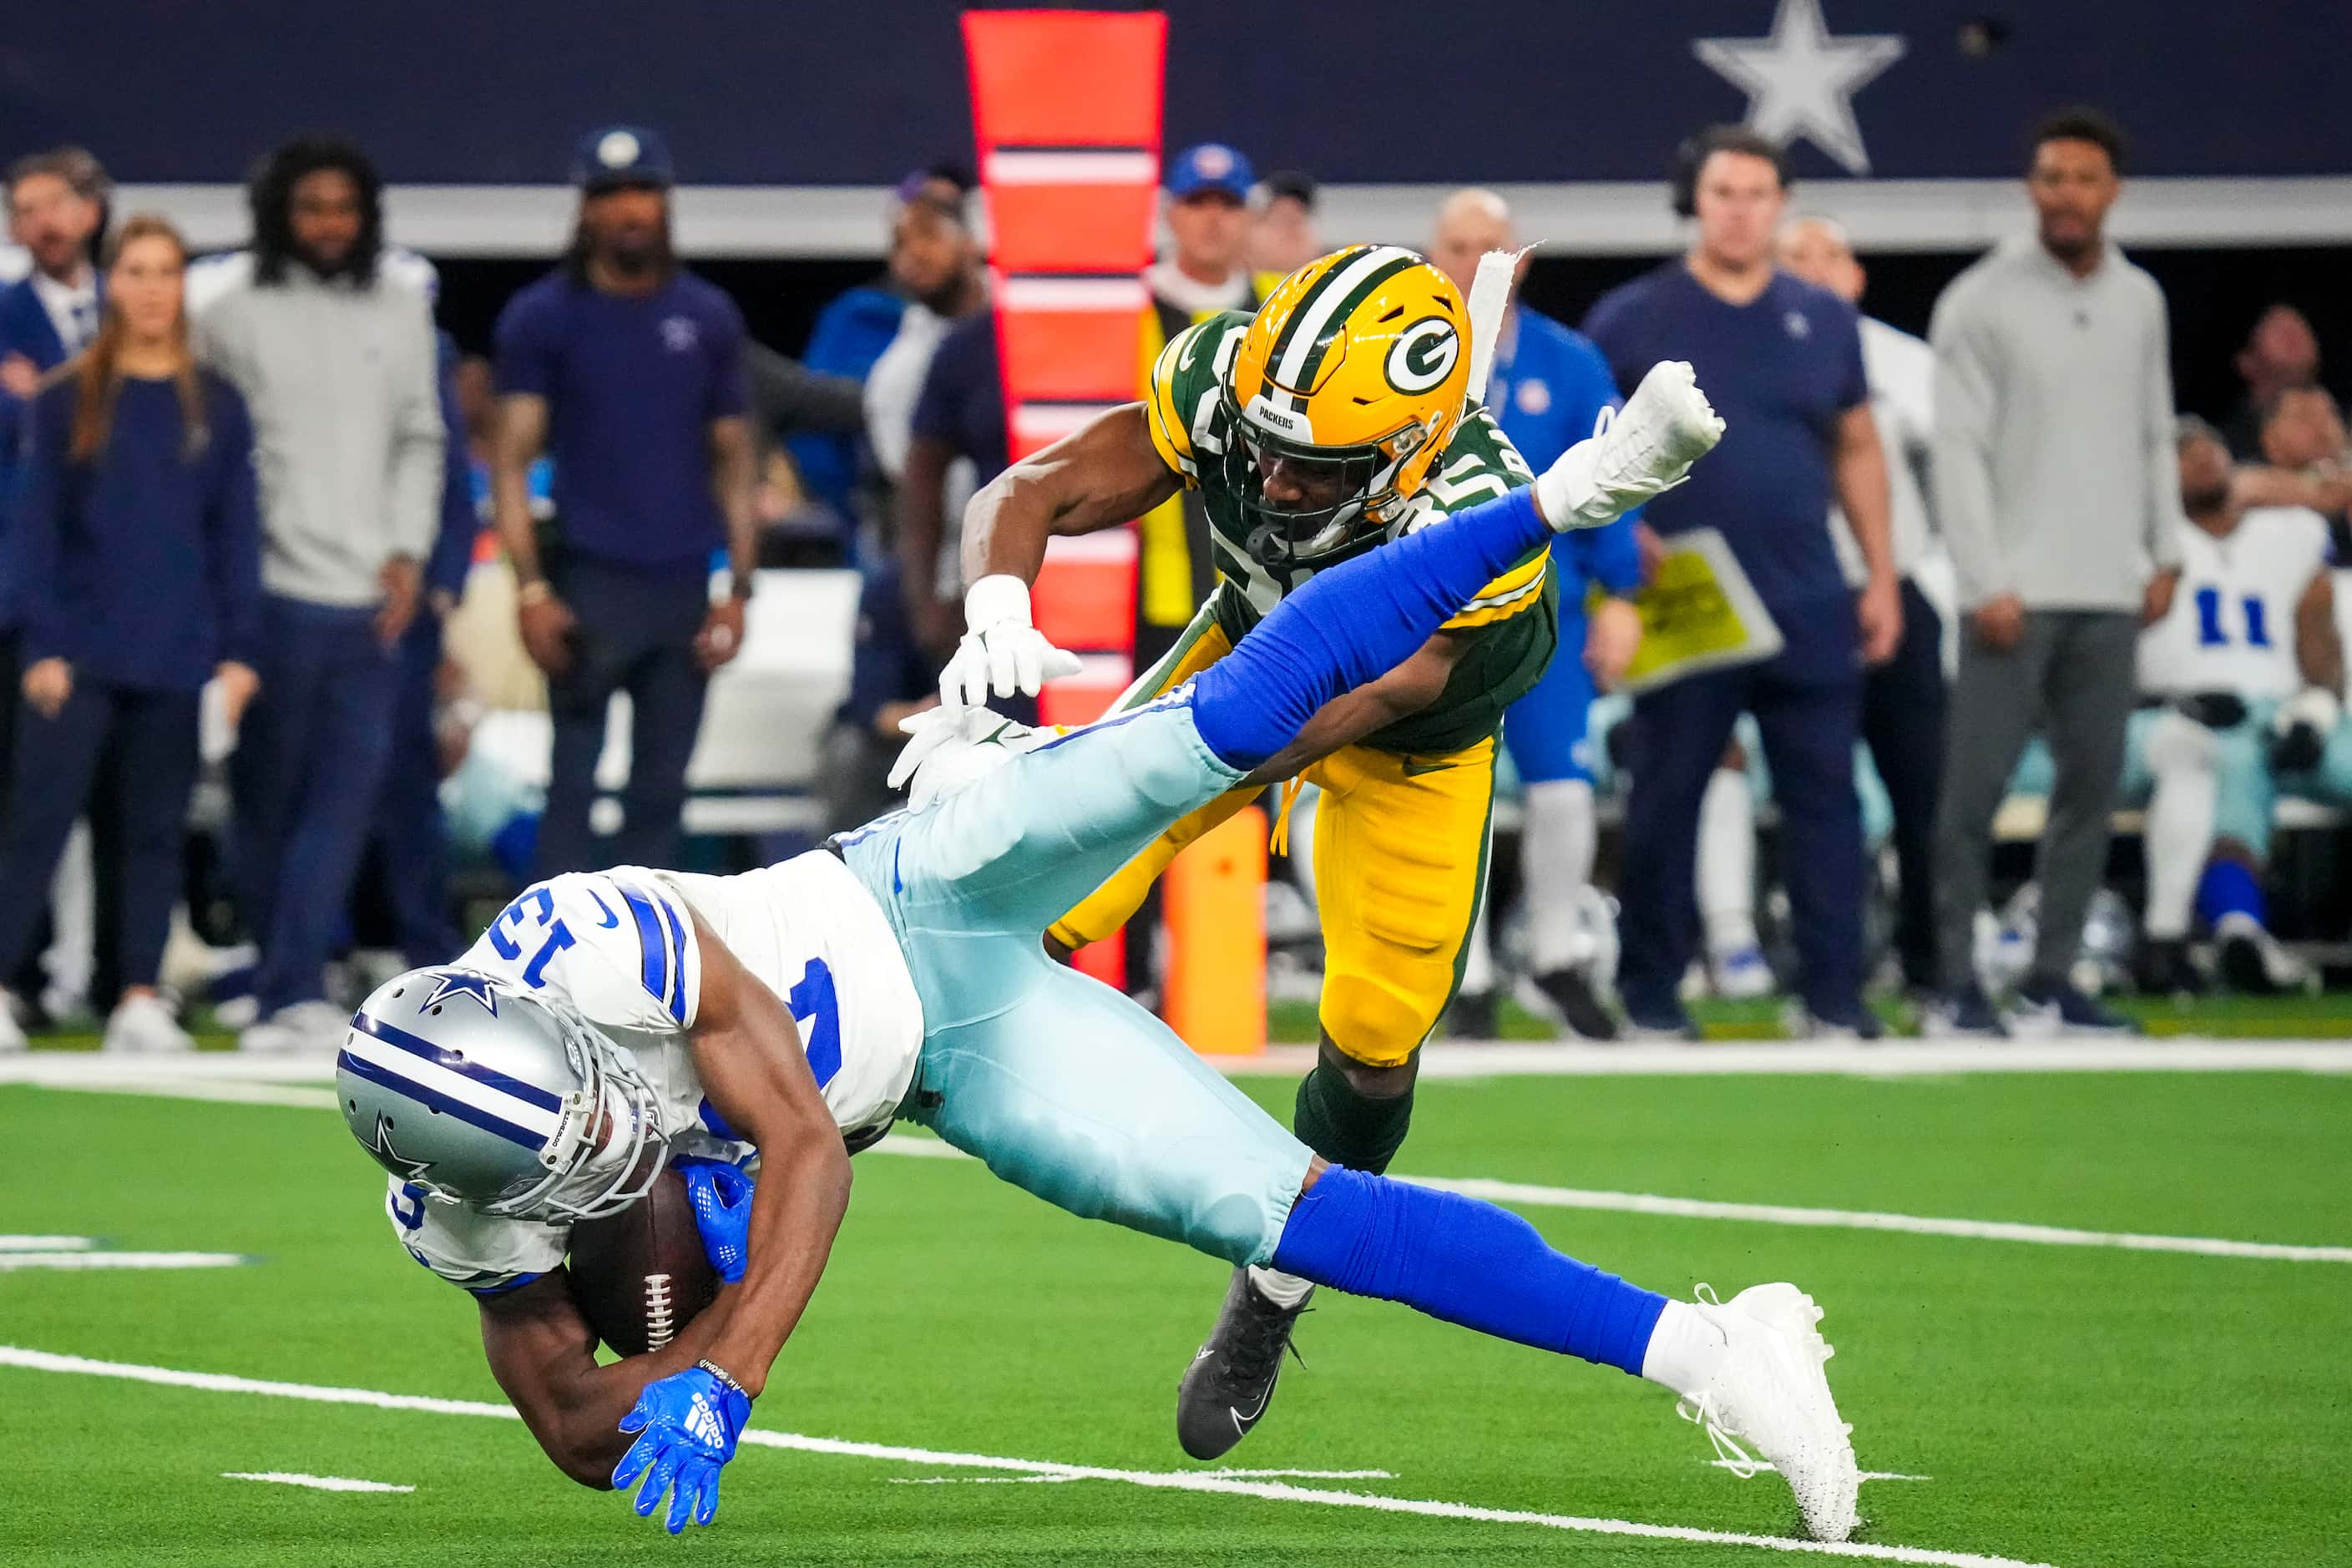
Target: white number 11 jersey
[(2232, 626)]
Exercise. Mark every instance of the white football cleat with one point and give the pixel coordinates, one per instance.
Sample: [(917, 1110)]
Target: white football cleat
[(1770, 1390), (1643, 449), (143, 1022)]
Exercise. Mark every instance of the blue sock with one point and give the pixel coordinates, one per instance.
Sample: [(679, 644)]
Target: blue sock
[(1465, 1261), (2230, 888), (1355, 622)]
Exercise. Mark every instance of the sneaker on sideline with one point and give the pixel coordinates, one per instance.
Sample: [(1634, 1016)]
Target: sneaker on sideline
[(143, 1024)]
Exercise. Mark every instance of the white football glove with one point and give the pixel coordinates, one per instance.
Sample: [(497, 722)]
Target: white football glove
[(1002, 652), (1645, 448), (951, 747)]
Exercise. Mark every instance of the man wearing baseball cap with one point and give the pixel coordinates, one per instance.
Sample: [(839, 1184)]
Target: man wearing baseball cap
[(628, 369)]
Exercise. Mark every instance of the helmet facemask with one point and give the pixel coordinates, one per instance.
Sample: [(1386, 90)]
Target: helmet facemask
[(608, 1150), (1363, 478)]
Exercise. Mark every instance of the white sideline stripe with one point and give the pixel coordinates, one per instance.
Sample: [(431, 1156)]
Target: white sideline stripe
[(1768, 1464), (15, 1260), (1863, 1219), (46, 1244), (1170, 1480), (1541, 1196), (317, 1483), (1534, 1197), (1892, 1059)]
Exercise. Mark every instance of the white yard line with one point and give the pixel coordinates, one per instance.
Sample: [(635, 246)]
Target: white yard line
[(315, 1483), (46, 1244), (15, 1260), (1170, 1480)]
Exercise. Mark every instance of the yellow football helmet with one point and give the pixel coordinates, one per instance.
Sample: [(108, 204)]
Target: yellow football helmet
[(1346, 388)]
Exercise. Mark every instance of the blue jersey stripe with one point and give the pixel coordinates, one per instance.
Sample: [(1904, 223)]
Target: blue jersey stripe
[(375, 1072), (674, 928), (652, 943), (391, 1034)]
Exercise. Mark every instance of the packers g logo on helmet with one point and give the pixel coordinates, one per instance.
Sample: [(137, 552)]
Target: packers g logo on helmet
[(1423, 355), (1350, 378)]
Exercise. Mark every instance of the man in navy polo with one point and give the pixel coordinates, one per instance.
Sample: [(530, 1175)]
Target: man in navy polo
[(629, 371), (1782, 360)]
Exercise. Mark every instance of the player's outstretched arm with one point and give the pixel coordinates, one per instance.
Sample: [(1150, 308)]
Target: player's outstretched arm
[(543, 1354), (1099, 477), (747, 1050)]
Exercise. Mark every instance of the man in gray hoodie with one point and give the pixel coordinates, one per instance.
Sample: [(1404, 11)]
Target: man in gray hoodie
[(329, 337), (2057, 491)]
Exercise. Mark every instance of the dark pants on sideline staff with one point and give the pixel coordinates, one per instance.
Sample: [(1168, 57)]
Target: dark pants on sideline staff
[(411, 841), (308, 774), (1903, 722), (128, 757), (1807, 705), (2073, 677), (637, 631)]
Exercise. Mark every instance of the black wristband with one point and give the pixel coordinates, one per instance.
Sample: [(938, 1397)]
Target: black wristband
[(723, 1375)]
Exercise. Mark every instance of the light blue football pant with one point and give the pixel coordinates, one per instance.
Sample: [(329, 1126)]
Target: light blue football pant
[(1060, 1084), (2246, 788)]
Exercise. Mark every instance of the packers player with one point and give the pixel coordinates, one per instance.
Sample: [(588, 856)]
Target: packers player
[(1333, 420)]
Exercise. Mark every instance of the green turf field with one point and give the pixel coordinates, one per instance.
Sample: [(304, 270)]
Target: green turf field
[(2072, 1405)]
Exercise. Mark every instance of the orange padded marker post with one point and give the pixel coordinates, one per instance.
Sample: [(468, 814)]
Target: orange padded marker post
[(1214, 895)]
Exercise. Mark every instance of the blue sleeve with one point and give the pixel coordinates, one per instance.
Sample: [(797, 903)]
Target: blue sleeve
[(453, 547), (881, 668), (527, 347), (728, 396), (39, 506), (232, 521)]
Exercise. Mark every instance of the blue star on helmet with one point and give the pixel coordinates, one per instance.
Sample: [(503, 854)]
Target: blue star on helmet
[(465, 983), (392, 1159)]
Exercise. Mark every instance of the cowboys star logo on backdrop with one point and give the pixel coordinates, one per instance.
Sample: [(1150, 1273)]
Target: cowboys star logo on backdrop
[(1801, 80)]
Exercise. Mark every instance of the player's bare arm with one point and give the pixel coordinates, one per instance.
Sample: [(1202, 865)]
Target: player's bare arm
[(747, 1051), (543, 1354), (1859, 472), (1103, 475), (2318, 646)]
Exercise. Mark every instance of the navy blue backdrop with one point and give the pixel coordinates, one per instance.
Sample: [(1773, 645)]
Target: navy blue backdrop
[(790, 92)]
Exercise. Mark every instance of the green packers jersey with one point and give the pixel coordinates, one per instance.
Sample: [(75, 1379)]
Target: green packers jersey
[(1515, 619)]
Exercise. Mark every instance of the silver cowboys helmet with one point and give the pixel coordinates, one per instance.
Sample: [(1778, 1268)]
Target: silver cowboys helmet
[(507, 1100)]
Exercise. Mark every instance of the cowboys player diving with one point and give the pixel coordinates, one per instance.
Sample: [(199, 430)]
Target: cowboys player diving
[(1336, 418), (605, 1024)]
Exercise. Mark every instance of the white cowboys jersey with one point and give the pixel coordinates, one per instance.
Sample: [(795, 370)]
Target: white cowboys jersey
[(2231, 628), (617, 945)]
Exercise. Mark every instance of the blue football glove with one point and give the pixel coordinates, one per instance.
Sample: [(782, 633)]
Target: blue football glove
[(687, 1425), (722, 1213)]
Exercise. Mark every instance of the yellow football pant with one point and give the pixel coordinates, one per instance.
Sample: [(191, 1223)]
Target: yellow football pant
[(1400, 865)]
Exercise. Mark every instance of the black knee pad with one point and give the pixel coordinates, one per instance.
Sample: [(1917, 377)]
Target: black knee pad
[(1346, 1126)]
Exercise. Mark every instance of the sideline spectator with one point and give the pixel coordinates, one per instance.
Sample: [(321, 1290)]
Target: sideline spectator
[(2282, 353), (411, 840), (934, 257), (57, 211), (1283, 236), (853, 331), (2249, 670), (1903, 700), (329, 336), (959, 424), (1547, 388), (137, 526), (2057, 487), (1206, 207), (1782, 360), (629, 369), (2302, 440)]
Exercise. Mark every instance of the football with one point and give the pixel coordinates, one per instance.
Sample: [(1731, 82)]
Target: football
[(640, 1275)]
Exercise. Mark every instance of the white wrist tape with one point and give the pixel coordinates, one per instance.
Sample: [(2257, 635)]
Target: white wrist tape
[(995, 599)]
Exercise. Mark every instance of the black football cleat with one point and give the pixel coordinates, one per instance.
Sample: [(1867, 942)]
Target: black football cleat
[(1226, 1390), (1570, 994)]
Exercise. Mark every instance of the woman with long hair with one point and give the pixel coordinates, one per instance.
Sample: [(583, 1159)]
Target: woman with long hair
[(139, 574)]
